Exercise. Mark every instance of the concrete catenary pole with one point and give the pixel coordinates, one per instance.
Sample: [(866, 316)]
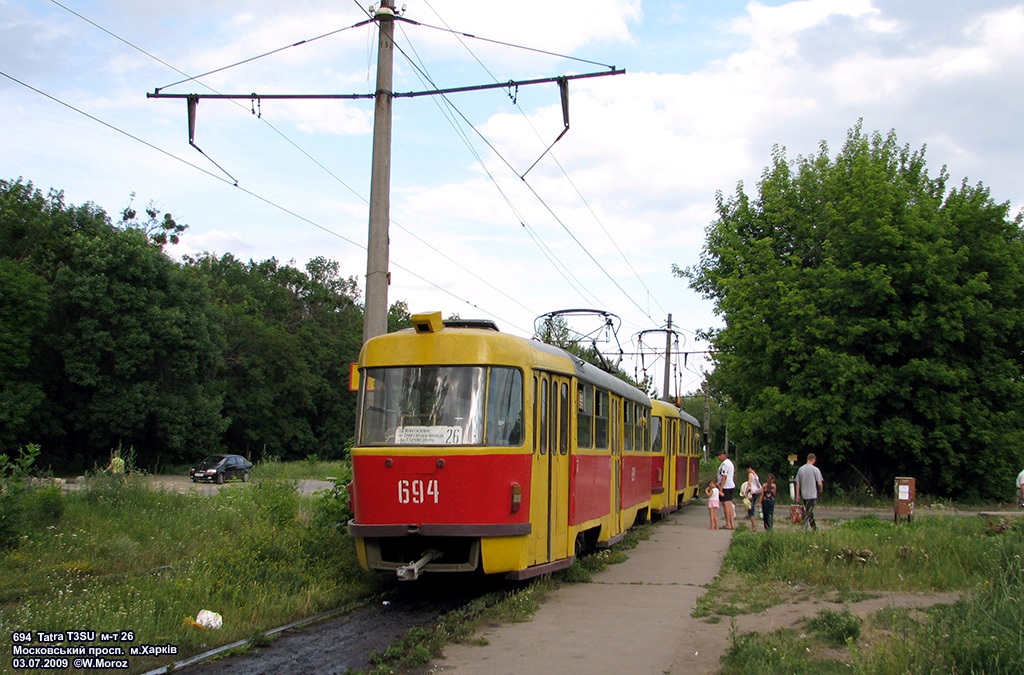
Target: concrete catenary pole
[(668, 361), (707, 418), (375, 315)]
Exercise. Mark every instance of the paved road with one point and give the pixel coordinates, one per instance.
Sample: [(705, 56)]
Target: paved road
[(633, 618), (185, 483)]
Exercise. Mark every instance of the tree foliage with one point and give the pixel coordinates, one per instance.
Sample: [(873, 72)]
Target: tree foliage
[(160, 230), (290, 336), (872, 315), (106, 342)]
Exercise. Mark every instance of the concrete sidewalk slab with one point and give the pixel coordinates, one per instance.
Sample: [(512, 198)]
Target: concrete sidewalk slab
[(633, 618)]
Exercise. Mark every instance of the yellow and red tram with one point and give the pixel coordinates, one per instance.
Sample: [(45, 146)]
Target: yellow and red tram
[(687, 483), (665, 448), (478, 450), (675, 467)]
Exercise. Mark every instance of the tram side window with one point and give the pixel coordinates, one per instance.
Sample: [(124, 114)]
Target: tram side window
[(505, 407), (542, 417), (376, 419), (601, 411), (563, 420), (656, 434), (585, 417), (629, 425)]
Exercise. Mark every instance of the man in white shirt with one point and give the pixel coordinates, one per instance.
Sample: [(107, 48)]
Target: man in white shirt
[(727, 483), (1020, 489)]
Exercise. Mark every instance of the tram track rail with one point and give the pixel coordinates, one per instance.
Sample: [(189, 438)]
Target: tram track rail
[(343, 640)]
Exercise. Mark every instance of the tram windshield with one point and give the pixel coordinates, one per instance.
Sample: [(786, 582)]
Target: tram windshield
[(441, 405)]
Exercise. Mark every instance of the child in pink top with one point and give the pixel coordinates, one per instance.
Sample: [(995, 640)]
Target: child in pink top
[(713, 504)]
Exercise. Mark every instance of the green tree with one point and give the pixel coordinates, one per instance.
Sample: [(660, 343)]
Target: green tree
[(139, 350), (555, 331), (107, 341), (331, 339), (24, 307), (267, 383), (873, 316), (291, 335), (160, 230), (399, 316)]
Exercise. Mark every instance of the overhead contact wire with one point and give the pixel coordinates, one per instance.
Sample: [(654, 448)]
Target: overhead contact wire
[(264, 55), (234, 182), (251, 193), (561, 168), (424, 76)]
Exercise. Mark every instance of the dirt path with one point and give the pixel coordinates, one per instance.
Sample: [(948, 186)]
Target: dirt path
[(713, 638), (789, 616), (184, 483)]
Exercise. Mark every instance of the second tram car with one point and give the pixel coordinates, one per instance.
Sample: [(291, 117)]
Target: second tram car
[(675, 468), (691, 449), (477, 450)]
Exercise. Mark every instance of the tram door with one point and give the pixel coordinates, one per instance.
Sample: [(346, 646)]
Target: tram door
[(616, 451), (670, 434), (677, 459), (549, 504)]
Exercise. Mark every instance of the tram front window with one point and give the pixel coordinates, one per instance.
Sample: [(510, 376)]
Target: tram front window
[(440, 405)]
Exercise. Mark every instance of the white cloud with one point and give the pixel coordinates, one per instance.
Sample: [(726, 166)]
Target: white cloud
[(775, 30), (710, 89)]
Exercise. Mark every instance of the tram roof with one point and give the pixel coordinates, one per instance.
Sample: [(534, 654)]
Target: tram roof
[(674, 410), (471, 345)]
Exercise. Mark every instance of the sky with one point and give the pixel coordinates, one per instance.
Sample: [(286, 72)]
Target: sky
[(710, 88)]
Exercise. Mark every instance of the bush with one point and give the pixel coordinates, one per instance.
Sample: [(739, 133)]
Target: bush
[(43, 506), (332, 510), (275, 501), (835, 628), (13, 491), (11, 517)]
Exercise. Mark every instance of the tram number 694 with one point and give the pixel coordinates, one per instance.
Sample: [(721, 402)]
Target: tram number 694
[(417, 491)]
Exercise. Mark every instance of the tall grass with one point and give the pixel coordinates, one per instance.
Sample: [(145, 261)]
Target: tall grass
[(123, 556), (981, 633), (929, 554)]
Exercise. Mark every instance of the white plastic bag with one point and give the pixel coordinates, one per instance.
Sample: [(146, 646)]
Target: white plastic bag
[(208, 619)]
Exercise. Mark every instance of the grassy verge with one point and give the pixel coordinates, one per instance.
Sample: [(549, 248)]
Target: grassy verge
[(422, 644), (310, 468), (124, 557), (855, 560)]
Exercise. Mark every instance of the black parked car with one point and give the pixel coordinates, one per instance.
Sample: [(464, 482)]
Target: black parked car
[(219, 468)]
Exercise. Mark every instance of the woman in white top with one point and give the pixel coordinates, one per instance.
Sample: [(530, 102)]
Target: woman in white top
[(753, 493)]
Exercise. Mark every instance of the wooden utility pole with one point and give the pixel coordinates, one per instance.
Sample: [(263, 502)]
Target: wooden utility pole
[(375, 313)]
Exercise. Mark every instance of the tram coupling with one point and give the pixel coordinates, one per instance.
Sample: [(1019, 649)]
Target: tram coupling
[(412, 572)]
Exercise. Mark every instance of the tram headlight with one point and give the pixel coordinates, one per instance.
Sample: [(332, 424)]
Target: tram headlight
[(427, 322)]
